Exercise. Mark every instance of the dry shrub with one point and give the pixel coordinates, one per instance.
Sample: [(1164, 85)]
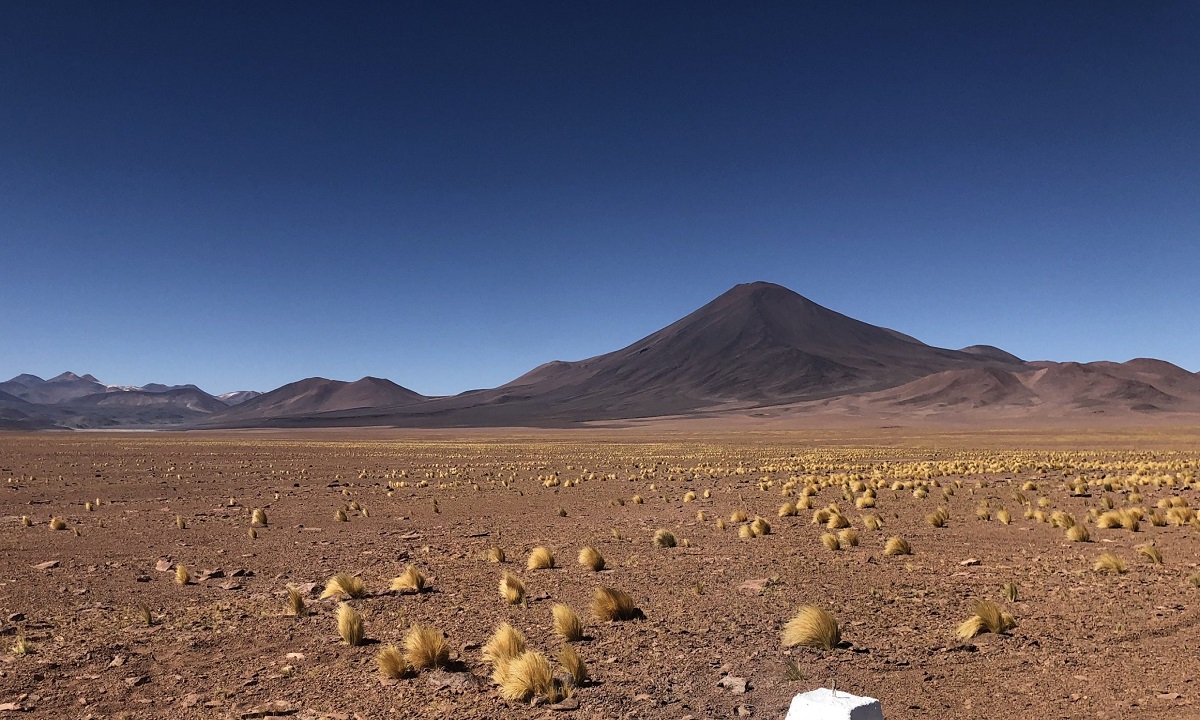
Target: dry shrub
[(788, 509), (1004, 516), (760, 527), (1062, 519), (567, 623), (830, 541), (506, 643), (689, 496), (512, 589), (1158, 519), (988, 617), (637, 500), (258, 517), (26, 521), (527, 676), (425, 647), (897, 545), (721, 523), (1078, 533), (180, 522), (57, 523), (350, 624), (701, 516), (1151, 553), (812, 627), (391, 663), (872, 522), (570, 660), (182, 576), (848, 537), (664, 538), (540, 558), (1109, 563), (837, 521), (410, 581), (495, 555), (745, 532), (1109, 520), (609, 604), (344, 584), (738, 516), (1010, 591), (295, 603), (590, 558)]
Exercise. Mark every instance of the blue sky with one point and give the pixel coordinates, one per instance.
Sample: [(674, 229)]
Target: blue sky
[(240, 195)]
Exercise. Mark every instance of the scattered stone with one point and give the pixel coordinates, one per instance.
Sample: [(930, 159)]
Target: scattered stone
[(756, 586), (16, 617), (164, 565), (136, 680), (565, 705), (969, 562), (735, 685), (744, 711), (275, 708), (46, 565)]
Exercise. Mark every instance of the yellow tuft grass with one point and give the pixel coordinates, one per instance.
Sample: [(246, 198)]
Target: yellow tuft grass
[(1078, 533), (349, 624), (57, 523), (1151, 553), (512, 589), (788, 509), (506, 643), (410, 581), (897, 545), (664, 538), (391, 663), (1004, 516), (609, 604), (812, 627), (1010, 591), (180, 522), (22, 647), (988, 617), (760, 527), (425, 647), (295, 603), (1109, 563), (872, 522), (258, 517), (340, 516), (344, 584), (570, 660), (26, 521), (527, 676), (496, 555), (737, 516), (567, 624), (540, 558), (182, 576), (590, 558), (831, 542)]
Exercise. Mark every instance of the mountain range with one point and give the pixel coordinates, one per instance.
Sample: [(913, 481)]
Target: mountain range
[(758, 352)]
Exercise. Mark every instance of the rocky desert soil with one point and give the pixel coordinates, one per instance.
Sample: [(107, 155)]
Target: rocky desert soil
[(1086, 643)]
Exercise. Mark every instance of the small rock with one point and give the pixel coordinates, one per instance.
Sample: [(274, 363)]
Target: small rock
[(163, 565), (46, 565), (757, 585), (565, 705), (275, 708), (743, 711), (136, 680), (735, 685), (16, 617), (969, 562)]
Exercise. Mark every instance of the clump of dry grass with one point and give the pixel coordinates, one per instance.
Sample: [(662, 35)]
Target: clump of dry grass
[(495, 555), (26, 521), (344, 584), (1010, 591), (760, 527), (567, 623), (737, 516), (182, 576), (848, 537), (689, 496), (1004, 516), (872, 522), (1078, 533), (1151, 553), (988, 617), (295, 603), (258, 517), (180, 522), (410, 581), (145, 614), (788, 509), (340, 516), (570, 660), (540, 558), (425, 647), (837, 521), (22, 647), (721, 524), (664, 538), (701, 516), (349, 624), (1108, 520), (527, 676), (252, 534), (1109, 563), (506, 643), (812, 627), (938, 518), (512, 589), (57, 523), (391, 663), (830, 541), (897, 545), (590, 558), (609, 604), (637, 500)]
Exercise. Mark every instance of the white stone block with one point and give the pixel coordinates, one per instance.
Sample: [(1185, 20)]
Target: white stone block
[(826, 704)]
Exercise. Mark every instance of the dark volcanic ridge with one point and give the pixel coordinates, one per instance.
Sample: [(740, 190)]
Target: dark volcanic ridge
[(759, 350)]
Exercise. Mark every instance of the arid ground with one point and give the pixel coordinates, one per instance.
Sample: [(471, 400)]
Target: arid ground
[(1086, 643)]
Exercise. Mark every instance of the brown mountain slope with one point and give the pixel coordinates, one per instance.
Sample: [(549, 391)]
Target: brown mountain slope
[(189, 399), (313, 396)]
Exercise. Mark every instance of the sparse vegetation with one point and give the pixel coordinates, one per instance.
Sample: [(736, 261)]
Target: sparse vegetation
[(349, 624), (425, 648), (540, 558), (812, 627)]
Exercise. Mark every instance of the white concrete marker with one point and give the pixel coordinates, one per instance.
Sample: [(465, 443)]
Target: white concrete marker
[(826, 704)]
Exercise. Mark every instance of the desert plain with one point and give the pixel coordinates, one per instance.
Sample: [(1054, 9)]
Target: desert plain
[(95, 623)]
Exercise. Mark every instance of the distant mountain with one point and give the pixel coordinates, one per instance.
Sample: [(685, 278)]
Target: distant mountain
[(238, 397), (184, 398), (60, 388), (994, 353), (317, 395)]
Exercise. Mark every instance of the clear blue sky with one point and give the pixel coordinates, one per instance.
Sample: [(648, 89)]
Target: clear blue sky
[(240, 194)]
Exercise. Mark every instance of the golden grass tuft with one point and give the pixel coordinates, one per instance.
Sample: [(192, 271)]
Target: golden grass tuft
[(540, 558), (570, 660), (295, 603), (721, 523), (567, 624), (830, 541), (1004, 516), (391, 663), (349, 624), (1010, 591), (506, 643), (872, 522), (664, 538), (848, 537), (57, 523), (737, 516), (410, 581), (252, 534), (340, 516), (425, 647), (788, 509), (988, 617), (26, 521), (258, 517), (1151, 553), (609, 604), (812, 627), (837, 521), (745, 532), (182, 576), (344, 584), (590, 558), (495, 555), (637, 500), (145, 614), (22, 647), (1109, 520), (1109, 563), (897, 545), (180, 522), (760, 527), (1078, 533), (701, 516), (689, 496), (512, 589), (527, 676)]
